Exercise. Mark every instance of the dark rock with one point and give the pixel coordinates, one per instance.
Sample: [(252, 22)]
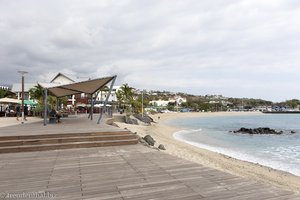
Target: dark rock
[(141, 140), (293, 132), (161, 147), (146, 119), (259, 130), (128, 120), (149, 140)]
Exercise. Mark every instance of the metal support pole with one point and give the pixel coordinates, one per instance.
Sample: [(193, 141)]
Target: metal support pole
[(92, 107), (46, 106), (143, 103), (22, 99), (90, 110), (57, 103), (92, 104), (22, 73), (107, 97)]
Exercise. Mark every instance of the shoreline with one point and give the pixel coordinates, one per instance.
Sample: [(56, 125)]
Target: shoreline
[(163, 134)]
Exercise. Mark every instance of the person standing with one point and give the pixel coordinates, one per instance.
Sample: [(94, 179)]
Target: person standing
[(18, 111), (25, 112)]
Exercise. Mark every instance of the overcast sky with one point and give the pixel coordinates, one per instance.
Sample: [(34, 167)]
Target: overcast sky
[(237, 48)]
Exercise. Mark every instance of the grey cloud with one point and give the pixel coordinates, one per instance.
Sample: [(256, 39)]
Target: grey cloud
[(191, 45)]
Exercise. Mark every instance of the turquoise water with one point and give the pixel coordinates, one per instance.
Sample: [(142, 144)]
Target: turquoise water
[(277, 151)]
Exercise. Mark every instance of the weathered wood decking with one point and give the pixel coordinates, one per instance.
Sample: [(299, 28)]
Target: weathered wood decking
[(76, 132), (73, 124), (124, 172), (119, 172)]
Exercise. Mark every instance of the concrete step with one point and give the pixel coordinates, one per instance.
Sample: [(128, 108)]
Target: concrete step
[(63, 135), (47, 147), (58, 140)]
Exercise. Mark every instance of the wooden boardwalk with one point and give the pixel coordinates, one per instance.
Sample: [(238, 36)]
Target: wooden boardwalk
[(123, 172), (73, 124), (72, 132)]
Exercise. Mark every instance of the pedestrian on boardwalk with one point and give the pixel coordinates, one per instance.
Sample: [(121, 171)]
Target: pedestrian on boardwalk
[(18, 111)]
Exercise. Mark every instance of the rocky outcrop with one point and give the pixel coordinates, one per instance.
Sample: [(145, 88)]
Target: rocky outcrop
[(146, 119), (258, 131)]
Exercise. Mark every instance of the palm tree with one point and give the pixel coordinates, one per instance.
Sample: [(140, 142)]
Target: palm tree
[(125, 96), (3, 93), (37, 93)]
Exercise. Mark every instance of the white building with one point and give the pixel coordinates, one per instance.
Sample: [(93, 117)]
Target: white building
[(5, 87), (63, 80), (17, 89), (177, 99), (159, 103), (113, 96)]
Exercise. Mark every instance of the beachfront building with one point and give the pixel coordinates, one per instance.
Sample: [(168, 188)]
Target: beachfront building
[(159, 103), (63, 80), (162, 104), (5, 87), (17, 89), (178, 100), (104, 93)]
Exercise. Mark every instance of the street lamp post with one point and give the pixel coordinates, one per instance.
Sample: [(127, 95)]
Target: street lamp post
[(22, 73), (143, 103)]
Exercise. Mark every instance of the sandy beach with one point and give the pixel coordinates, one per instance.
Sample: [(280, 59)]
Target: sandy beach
[(163, 134)]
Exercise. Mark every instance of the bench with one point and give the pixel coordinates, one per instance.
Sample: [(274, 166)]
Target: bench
[(52, 120)]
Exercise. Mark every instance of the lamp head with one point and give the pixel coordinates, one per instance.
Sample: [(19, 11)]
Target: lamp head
[(22, 72)]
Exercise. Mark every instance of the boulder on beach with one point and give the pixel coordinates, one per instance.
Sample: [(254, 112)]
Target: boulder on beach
[(144, 118), (129, 120), (161, 147), (149, 140)]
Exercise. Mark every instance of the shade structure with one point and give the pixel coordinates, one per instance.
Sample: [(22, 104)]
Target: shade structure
[(9, 100), (87, 87)]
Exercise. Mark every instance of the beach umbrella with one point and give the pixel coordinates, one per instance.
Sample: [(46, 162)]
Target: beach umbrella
[(9, 100), (28, 102)]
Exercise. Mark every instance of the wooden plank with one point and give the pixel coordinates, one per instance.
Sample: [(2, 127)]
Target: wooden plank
[(127, 172)]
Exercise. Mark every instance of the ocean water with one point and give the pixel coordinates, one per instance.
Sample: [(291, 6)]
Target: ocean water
[(277, 151)]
